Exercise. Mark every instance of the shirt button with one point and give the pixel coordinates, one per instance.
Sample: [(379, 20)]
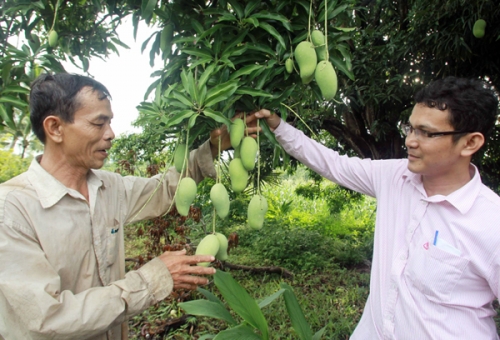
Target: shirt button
[(403, 257)]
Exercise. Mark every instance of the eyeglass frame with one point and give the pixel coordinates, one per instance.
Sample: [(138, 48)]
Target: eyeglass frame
[(407, 129)]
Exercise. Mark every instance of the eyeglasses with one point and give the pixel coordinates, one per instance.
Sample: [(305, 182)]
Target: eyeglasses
[(419, 133)]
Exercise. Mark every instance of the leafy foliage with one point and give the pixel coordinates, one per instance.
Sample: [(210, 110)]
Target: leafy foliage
[(248, 309), (227, 56), (11, 165)]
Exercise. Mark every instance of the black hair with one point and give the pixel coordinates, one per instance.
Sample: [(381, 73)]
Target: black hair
[(472, 103), (56, 95)]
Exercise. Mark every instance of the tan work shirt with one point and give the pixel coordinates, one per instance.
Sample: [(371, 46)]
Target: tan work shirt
[(62, 267)]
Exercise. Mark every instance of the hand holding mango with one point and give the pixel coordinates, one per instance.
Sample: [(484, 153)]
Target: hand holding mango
[(272, 119), (250, 130), (183, 270)]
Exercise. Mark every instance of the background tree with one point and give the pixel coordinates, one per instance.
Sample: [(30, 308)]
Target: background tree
[(226, 56)]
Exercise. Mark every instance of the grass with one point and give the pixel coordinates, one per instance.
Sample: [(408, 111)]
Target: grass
[(331, 286), (328, 253)]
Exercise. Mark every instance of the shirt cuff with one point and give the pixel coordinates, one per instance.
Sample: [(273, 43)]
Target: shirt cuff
[(278, 132), (146, 286), (158, 278)]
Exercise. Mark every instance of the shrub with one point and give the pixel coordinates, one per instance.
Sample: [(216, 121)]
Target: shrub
[(12, 165)]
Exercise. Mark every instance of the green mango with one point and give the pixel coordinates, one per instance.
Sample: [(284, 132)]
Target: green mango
[(257, 209), (166, 38), (209, 245), (223, 245), (186, 192), (236, 132), (307, 80), (237, 151), (180, 157), (305, 56), (248, 152), (318, 40), (53, 37), (238, 175), (326, 78), (220, 200), (478, 28), (289, 65)]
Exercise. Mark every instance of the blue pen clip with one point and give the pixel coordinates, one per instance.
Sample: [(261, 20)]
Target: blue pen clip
[(435, 237)]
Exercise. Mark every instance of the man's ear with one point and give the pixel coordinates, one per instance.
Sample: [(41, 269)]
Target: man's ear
[(473, 142), (53, 129)]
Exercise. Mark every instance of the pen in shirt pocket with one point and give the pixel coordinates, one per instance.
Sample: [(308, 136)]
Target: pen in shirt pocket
[(435, 237)]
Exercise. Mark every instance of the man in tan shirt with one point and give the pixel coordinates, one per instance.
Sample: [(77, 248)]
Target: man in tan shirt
[(62, 269)]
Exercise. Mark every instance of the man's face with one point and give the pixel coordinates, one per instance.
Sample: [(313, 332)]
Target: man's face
[(88, 138), (436, 156)]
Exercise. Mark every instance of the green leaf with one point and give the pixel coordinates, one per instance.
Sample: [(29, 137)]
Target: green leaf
[(319, 334), (15, 89), (251, 6), (207, 308), (147, 9), (241, 332), (210, 31), (187, 79), (182, 98), (262, 48), (297, 317), (203, 95), (198, 52), (339, 64), (270, 298), (151, 88), (344, 50), (173, 103), (220, 92), (237, 8), (337, 11), (192, 121), (252, 21), (7, 118), (241, 302), (274, 17), (217, 116), (245, 70), (253, 92), (197, 26), (206, 336), (228, 51), (271, 30), (120, 43), (346, 29), (177, 117), (209, 295), (227, 17), (206, 75), (14, 101)]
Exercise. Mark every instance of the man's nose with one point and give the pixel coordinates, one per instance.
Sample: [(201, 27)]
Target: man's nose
[(110, 134)]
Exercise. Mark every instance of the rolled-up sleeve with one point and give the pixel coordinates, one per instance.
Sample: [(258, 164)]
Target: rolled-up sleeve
[(32, 305), (151, 197)]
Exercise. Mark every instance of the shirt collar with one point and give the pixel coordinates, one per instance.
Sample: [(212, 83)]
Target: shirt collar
[(48, 188), (462, 199)]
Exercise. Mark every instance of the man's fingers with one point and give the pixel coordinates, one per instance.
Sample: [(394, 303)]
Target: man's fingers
[(175, 252), (194, 259), (263, 113), (189, 280)]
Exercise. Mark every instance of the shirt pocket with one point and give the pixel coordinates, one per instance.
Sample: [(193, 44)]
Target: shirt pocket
[(112, 242), (435, 272)]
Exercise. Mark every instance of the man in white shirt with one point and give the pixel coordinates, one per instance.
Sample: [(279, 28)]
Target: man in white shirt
[(436, 260)]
